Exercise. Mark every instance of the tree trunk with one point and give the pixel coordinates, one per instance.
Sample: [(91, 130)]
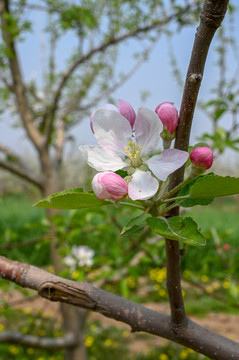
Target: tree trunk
[(73, 318)]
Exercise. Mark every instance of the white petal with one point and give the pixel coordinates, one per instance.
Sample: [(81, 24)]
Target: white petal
[(101, 160), (147, 129), (142, 186), (112, 130), (166, 163)]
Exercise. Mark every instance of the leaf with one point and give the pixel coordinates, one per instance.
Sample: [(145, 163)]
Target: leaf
[(71, 199), (192, 202), (177, 228), (211, 186), (135, 226)]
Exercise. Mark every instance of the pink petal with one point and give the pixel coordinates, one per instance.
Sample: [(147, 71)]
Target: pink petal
[(112, 131), (167, 162), (127, 111), (143, 185), (147, 129)]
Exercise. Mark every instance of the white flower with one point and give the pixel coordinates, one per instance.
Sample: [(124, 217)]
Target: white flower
[(122, 148), (70, 261), (84, 255)]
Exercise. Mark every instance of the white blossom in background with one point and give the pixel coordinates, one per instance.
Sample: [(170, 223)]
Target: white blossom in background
[(81, 256), (70, 262)]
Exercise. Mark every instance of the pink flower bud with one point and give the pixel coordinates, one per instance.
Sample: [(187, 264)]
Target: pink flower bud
[(168, 114), (108, 185), (127, 111), (202, 157), (226, 247)]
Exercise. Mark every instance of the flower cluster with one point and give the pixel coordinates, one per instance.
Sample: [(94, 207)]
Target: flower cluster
[(126, 141), (81, 256)]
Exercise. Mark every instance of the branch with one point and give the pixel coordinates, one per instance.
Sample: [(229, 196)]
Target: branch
[(211, 17), (6, 83), (138, 317), (18, 85), (25, 243), (13, 156), (120, 82), (23, 174), (102, 47), (15, 337)]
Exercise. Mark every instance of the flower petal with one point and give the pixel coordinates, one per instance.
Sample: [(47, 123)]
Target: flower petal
[(147, 129), (166, 163), (99, 159), (112, 130), (106, 106), (127, 111), (142, 186)]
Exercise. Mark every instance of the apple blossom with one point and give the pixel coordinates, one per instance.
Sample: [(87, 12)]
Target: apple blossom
[(83, 254), (108, 185), (121, 147), (125, 109), (202, 157)]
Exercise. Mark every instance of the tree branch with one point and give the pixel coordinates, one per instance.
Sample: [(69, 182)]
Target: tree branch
[(15, 337), (14, 157), (211, 17), (25, 243), (18, 85), (120, 82), (102, 47), (23, 174), (138, 317)]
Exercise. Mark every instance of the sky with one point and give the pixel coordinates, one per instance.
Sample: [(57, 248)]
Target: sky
[(154, 76)]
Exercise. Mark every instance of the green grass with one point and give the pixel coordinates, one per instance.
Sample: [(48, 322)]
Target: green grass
[(219, 224), (21, 222)]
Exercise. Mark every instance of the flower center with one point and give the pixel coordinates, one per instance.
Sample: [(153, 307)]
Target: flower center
[(134, 153)]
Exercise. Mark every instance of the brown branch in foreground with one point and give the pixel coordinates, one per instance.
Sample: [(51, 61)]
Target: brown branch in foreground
[(211, 17), (15, 337), (138, 317)]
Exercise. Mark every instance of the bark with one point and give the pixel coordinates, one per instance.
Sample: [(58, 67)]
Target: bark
[(18, 85), (211, 17), (138, 317), (15, 337)]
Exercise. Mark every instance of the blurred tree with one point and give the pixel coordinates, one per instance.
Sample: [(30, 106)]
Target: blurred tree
[(47, 112)]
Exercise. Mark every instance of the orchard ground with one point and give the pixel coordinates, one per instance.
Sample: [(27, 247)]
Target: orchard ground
[(210, 281)]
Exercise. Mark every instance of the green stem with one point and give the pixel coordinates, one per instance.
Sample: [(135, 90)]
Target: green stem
[(176, 198), (134, 205), (176, 188)]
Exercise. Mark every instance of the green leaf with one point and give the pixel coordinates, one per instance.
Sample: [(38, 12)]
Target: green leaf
[(192, 202), (135, 226), (71, 199), (177, 228), (211, 186)]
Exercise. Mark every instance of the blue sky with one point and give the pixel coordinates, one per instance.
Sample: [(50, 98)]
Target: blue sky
[(154, 76)]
